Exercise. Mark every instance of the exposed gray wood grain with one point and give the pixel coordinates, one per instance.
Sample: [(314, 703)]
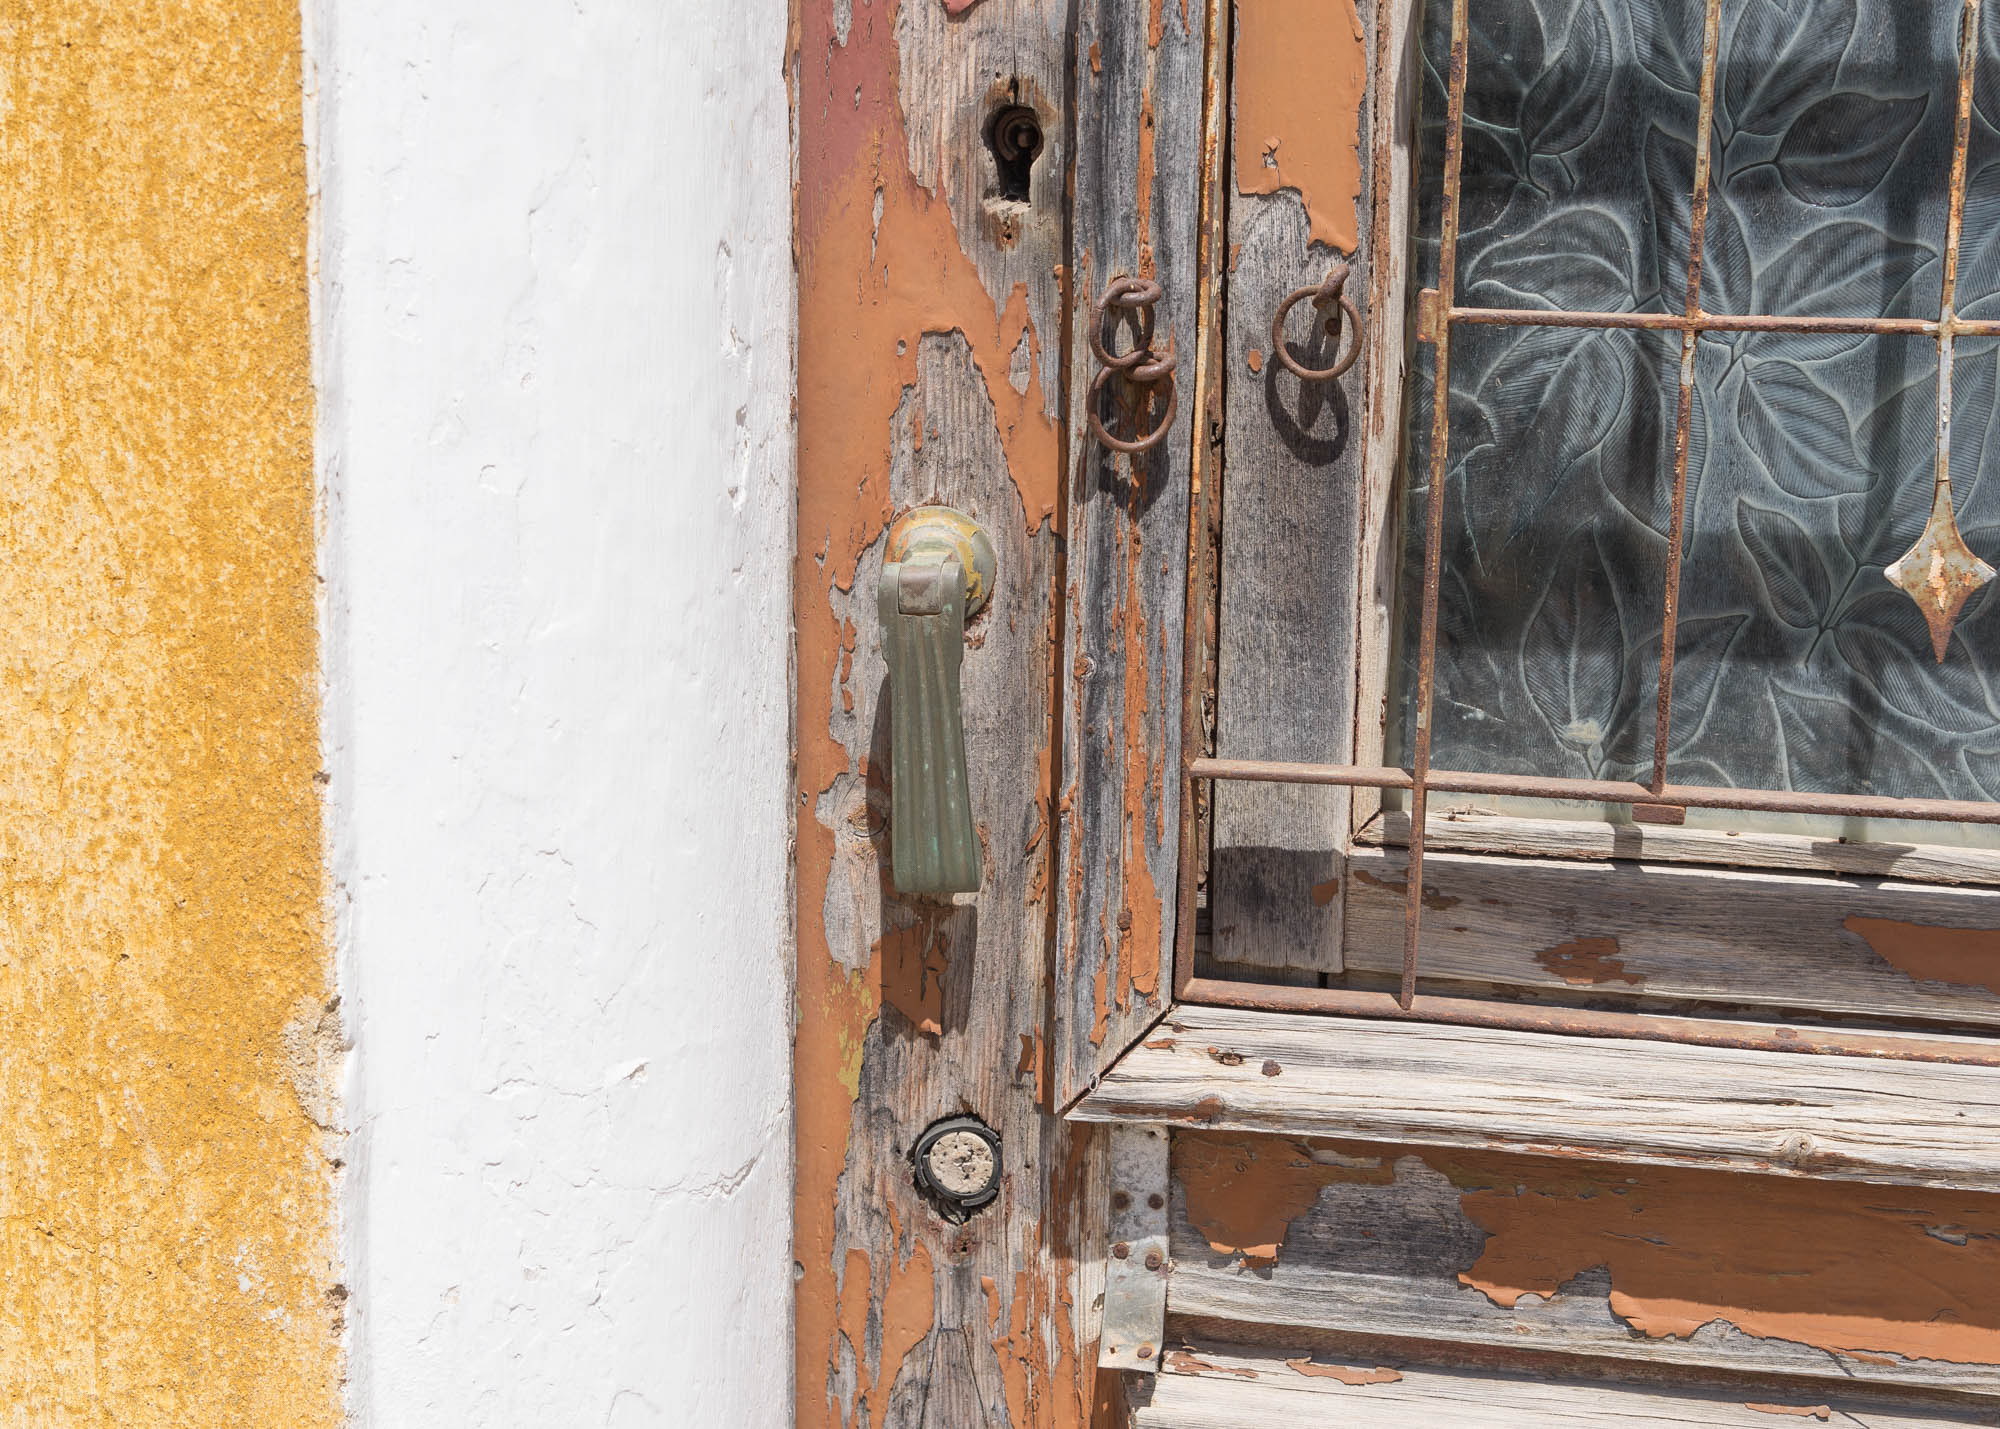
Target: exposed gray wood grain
[(1477, 830), (1213, 1388), (1384, 1258), (1291, 513), (1829, 1117), (957, 71), (1673, 931), (1138, 166)]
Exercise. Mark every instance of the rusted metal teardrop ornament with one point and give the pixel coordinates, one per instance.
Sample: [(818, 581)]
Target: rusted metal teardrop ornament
[(1940, 572)]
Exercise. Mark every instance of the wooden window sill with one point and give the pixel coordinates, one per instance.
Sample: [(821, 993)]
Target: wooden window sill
[(1822, 1115)]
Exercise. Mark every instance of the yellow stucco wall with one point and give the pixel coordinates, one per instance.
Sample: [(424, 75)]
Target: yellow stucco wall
[(166, 1251)]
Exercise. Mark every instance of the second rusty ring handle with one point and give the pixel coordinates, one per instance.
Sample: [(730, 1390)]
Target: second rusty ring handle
[(1141, 366), (1332, 290), (1152, 438)]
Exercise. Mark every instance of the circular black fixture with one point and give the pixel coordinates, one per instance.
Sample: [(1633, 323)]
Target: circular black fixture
[(958, 1165)]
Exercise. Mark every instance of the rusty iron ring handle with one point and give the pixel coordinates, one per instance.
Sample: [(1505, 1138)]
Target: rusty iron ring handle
[(1331, 290), (1165, 369), (1141, 366), (1138, 294)]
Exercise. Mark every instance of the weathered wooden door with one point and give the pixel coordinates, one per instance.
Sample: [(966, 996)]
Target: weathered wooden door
[(1480, 743)]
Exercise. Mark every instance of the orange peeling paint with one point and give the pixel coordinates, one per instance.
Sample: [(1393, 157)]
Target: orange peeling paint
[(907, 1308), (1837, 1265), (1301, 69), (1964, 957), (1585, 962), (1346, 1374), (1140, 921), (1255, 359), (1873, 1273), (1182, 1362), (1243, 1193)]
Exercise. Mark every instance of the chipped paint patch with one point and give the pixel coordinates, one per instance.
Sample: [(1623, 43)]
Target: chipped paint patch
[(1434, 900), (1301, 72), (1841, 1266), (1184, 1362), (1873, 1274), (1962, 957), (1346, 1374), (1587, 962), (1243, 1193)]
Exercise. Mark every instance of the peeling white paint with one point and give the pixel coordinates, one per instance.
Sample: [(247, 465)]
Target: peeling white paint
[(553, 322)]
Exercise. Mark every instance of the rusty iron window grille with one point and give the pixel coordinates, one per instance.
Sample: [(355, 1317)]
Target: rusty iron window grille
[(1938, 574)]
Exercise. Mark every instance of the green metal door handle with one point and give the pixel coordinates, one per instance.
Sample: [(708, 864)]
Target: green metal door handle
[(937, 573)]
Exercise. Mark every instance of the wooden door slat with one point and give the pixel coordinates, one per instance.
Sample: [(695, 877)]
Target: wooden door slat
[(1856, 947), (1833, 1117), (1207, 1387), (1140, 79)]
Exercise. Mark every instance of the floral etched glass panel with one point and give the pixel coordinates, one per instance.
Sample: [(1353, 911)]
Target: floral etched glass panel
[(1810, 457), (1831, 154)]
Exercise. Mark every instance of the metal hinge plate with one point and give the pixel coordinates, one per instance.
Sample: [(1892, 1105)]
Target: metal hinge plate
[(1136, 1265)]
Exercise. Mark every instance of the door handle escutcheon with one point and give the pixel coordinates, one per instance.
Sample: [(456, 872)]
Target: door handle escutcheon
[(937, 573)]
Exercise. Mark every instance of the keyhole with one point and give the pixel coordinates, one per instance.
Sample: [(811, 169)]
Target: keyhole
[(1014, 135)]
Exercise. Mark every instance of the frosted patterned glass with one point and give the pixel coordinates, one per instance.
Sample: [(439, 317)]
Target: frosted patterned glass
[(1810, 458)]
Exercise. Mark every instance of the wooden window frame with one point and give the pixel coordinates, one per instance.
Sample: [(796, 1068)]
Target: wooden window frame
[(1505, 857), (1532, 950)]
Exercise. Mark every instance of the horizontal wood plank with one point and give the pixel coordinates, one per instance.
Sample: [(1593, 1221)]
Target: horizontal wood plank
[(1207, 1387), (1472, 829), (1663, 1271), (1826, 1116), (1848, 946)]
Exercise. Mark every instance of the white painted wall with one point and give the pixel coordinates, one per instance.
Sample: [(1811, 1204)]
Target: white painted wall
[(553, 315)]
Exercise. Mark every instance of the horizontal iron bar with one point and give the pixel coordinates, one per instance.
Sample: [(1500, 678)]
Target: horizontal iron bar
[(1719, 322), (1602, 791), (1582, 1022)]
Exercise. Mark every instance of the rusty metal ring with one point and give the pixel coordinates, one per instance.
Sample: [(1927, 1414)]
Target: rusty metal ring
[(1352, 323), (1126, 291), (1152, 438), (1138, 294)]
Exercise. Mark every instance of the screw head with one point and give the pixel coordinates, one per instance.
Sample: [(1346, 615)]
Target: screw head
[(1156, 1200), (1153, 1261), (1119, 1200), (1121, 1250), (1145, 1352)]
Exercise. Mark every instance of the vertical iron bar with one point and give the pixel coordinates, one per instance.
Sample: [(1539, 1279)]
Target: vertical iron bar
[(1454, 151), (1968, 54), (1684, 417)]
